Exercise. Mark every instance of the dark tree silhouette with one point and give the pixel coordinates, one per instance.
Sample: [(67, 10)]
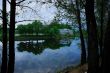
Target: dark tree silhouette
[(83, 49), (93, 60), (101, 27), (106, 53), (11, 37), (101, 35), (74, 9), (4, 50)]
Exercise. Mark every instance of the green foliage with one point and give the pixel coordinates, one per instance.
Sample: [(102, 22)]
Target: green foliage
[(0, 28), (59, 25), (53, 29), (21, 29), (32, 28), (29, 29), (37, 27)]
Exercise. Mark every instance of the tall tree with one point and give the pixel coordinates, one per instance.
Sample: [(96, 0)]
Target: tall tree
[(72, 8), (93, 60), (4, 50), (11, 37), (100, 14), (106, 53), (101, 26), (83, 53)]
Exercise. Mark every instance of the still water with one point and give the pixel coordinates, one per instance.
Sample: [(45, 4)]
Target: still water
[(45, 58)]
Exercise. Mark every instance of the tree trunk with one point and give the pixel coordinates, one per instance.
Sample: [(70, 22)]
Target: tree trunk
[(4, 50), (101, 27), (93, 56), (83, 49), (106, 52), (101, 33), (11, 38)]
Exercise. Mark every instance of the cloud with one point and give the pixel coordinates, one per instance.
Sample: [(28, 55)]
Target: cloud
[(44, 12), (47, 12)]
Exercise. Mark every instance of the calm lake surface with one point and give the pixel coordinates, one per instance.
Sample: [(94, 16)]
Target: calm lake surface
[(45, 58)]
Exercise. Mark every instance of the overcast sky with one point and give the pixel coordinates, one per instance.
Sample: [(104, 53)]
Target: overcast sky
[(44, 12)]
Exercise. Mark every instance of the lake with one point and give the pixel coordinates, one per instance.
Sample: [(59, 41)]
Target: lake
[(45, 58)]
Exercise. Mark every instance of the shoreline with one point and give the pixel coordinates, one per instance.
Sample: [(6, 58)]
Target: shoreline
[(77, 69)]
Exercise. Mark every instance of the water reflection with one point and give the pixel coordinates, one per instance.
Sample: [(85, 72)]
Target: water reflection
[(31, 57), (37, 48), (49, 61)]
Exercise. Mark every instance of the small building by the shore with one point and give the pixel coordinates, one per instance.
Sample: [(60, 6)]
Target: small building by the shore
[(66, 31)]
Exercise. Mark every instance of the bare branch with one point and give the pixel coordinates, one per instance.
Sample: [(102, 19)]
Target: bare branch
[(24, 21), (20, 1), (9, 2), (17, 2), (27, 7)]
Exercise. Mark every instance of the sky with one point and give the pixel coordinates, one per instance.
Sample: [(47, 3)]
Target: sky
[(43, 12)]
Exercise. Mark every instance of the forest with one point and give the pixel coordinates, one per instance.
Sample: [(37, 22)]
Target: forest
[(89, 21)]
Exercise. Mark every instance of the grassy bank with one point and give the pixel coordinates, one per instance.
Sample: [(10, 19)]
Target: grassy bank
[(77, 69), (37, 37), (29, 37)]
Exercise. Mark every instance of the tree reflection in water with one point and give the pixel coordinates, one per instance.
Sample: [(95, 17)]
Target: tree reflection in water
[(37, 48)]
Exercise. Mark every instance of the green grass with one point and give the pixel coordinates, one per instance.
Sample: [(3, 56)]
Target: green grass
[(35, 37)]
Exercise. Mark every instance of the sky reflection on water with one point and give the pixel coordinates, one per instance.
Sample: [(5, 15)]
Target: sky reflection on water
[(49, 61)]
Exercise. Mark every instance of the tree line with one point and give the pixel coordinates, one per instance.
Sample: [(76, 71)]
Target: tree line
[(38, 27)]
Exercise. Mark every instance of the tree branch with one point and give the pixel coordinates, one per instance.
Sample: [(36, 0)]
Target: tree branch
[(9, 2), (27, 7), (17, 2), (24, 21), (20, 1)]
